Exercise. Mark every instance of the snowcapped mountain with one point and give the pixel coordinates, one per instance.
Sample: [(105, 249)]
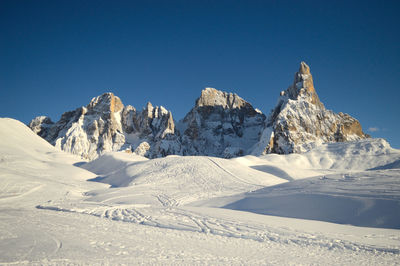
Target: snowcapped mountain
[(300, 120), (105, 124), (220, 124)]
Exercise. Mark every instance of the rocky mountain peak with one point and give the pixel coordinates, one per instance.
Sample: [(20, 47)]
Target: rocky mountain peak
[(156, 121), (149, 107), (106, 125), (304, 68), (300, 118), (220, 124), (213, 97), (303, 86), (106, 102), (40, 125)]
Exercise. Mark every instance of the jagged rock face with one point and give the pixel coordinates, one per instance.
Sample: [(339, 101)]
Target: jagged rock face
[(106, 125), (303, 86), (156, 121), (40, 125), (221, 124), (156, 125), (300, 119), (87, 131)]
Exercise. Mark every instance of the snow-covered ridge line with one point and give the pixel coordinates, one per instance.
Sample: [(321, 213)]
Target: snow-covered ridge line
[(220, 124)]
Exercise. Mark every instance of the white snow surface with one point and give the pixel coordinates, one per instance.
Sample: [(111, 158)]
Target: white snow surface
[(125, 209)]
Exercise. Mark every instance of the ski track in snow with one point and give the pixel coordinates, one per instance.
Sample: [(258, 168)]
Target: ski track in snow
[(10, 190), (183, 219), (166, 201), (228, 172), (174, 210)]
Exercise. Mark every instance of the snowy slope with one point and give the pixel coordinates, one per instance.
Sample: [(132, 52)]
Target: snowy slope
[(30, 165), (345, 188), (155, 211), (328, 158), (334, 185), (175, 180), (370, 198)]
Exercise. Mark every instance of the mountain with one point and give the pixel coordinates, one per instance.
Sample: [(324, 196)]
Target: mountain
[(220, 124), (300, 120), (105, 124)]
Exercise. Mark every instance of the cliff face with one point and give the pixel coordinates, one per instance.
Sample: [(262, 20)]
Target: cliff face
[(300, 119), (106, 125), (220, 124)]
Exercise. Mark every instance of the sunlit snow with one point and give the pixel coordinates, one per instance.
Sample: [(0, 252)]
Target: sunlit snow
[(337, 203)]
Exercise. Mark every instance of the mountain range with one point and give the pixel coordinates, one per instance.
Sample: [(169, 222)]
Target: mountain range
[(221, 124)]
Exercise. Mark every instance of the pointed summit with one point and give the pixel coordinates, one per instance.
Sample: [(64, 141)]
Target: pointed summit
[(304, 68), (303, 86), (300, 119), (149, 106), (220, 124), (148, 110), (106, 102)]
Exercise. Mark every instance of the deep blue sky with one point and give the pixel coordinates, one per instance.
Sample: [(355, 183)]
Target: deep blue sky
[(56, 55)]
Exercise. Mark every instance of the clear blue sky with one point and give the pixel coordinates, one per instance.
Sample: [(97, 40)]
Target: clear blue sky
[(56, 55)]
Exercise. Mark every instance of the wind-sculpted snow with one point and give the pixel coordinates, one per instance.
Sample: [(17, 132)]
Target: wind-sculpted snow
[(363, 199), (168, 210), (325, 158), (356, 155)]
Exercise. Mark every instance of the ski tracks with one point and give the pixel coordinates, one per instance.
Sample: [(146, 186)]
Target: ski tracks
[(175, 218), (232, 174), (166, 201), (11, 190)]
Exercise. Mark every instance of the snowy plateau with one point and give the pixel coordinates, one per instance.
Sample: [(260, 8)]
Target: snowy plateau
[(227, 185)]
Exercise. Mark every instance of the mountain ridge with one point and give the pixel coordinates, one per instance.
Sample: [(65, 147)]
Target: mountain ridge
[(220, 124)]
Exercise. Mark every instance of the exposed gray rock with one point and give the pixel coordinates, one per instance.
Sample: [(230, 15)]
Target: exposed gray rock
[(106, 125), (221, 124), (40, 125), (300, 119)]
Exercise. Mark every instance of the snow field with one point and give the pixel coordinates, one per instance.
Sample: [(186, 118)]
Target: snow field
[(130, 210)]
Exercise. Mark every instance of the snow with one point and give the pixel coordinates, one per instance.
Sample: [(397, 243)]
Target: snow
[(176, 180), (125, 209), (363, 199)]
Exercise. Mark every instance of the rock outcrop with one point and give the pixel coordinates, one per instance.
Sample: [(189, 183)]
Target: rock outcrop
[(106, 125), (300, 119), (220, 124)]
